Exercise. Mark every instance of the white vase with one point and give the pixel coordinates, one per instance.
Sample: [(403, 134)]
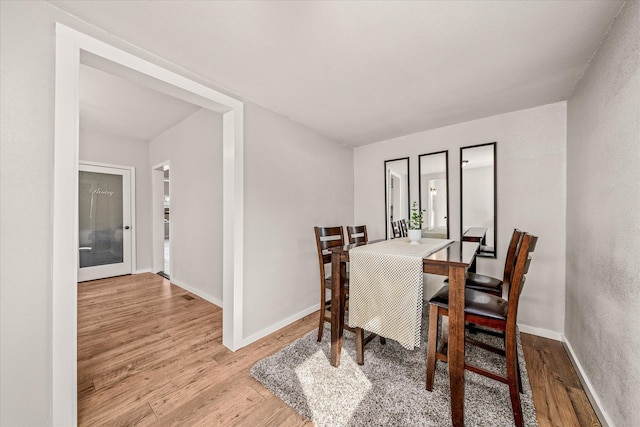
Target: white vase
[(414, 236)]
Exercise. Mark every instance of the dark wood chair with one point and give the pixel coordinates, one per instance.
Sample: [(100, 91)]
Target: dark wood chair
[(403, 228), (489, 311), (357, 234), (327, 237), (395, 228), (492, 285)]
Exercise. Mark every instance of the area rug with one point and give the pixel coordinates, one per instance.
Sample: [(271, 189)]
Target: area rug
[(389, 390)]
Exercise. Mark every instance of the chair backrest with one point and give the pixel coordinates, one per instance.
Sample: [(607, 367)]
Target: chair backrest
[(521, 268), (403, 228), (510, 261), (357, 234), (327, 237), (395, 227)]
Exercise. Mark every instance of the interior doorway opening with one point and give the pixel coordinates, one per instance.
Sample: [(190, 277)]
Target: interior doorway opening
[(161, 218), (69, 46), (166, 209)]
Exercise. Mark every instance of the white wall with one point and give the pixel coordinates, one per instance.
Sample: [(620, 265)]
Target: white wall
[(603, 221), (294, 180), (26, 186), (194, 149), (116, 150), (531, 196)]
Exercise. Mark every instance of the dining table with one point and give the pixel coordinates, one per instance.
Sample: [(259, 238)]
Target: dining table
[(452, 261)]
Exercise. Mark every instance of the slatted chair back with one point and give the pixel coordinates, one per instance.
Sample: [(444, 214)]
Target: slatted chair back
[(326, 237), (520, 269), (357, 234), (395, 228), (403, 228), (510, 260)]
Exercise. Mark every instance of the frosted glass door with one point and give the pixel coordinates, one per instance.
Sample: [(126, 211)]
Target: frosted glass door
[(104, 219)]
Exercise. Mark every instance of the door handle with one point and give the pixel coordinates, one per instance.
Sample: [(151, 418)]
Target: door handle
[(126, 227)]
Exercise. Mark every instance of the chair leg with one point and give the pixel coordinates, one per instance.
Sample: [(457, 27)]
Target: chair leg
[(322, 310), (514, 380), (432, 345), (517, 364), (519, 374), (359, 346)]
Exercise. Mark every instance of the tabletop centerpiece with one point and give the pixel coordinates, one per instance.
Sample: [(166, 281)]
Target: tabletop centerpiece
[(415, 224)]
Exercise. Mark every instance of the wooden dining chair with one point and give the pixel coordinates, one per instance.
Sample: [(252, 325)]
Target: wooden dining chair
[(395, 228), (489, 311), (326, 238), (403, 228), (357, 234), (493, 285)]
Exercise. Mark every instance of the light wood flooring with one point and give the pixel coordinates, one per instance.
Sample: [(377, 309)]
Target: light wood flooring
[(151, 353)]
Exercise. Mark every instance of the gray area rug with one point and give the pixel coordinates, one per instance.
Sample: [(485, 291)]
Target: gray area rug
[(389, 390)]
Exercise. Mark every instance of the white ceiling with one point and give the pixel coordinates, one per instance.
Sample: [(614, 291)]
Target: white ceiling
[(361, 72), (116, 106)]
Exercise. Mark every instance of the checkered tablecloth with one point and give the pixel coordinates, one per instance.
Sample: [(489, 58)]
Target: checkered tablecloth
[(385, 288)]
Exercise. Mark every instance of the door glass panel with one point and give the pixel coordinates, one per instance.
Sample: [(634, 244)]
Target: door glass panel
[(100, 219)]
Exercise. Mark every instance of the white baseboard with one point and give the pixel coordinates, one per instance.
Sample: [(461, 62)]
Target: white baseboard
[(281, 324), (203, 295), (142, 270), (545, 333), (588, 387)]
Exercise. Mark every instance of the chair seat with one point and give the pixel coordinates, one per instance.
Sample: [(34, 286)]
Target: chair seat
[(475, 302), (482, 282)]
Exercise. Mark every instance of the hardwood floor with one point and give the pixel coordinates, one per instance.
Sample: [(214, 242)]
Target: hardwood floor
[(151, 353)]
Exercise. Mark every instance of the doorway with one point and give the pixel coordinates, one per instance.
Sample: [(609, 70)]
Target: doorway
[(105, 210), (161, 199), (167, 222), (69, 45)]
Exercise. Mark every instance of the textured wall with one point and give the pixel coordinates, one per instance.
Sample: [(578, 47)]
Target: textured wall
[(603, 220)]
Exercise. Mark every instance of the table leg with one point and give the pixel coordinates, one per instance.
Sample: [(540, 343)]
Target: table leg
[(337, 309), (456, 343), (360, 346)]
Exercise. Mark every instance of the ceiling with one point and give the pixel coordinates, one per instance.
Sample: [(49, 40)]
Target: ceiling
[(114, 105), (366, 71)]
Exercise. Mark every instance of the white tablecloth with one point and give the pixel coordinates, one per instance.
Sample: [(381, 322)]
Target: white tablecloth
[(385, 288)]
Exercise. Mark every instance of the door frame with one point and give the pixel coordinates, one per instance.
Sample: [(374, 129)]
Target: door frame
[(157, 216), (132, 205), (69, 44)]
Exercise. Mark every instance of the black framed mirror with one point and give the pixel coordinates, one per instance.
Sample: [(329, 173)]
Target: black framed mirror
[(433, 186), (396, 192), (478, 201)]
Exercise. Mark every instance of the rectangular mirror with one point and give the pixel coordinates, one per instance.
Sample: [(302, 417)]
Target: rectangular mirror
[(478, 204), (433, 171), (396, 192)]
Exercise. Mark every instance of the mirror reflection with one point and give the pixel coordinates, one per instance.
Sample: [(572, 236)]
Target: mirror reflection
[(478, 196), (434, 193), (396, 194)]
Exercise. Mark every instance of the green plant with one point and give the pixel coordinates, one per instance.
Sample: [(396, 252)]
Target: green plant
[(416, 220)]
